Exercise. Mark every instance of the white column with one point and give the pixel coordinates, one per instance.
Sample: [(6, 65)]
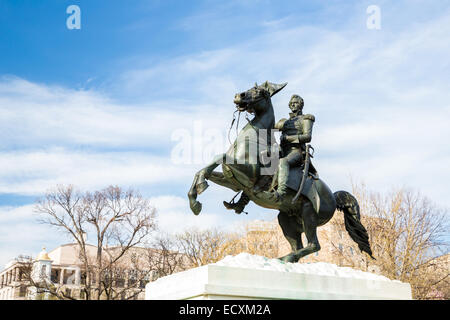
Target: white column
[(77, 276), (61, 277), (49, 272)]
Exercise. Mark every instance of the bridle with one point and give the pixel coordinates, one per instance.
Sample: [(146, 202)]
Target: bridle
[(239, 116)]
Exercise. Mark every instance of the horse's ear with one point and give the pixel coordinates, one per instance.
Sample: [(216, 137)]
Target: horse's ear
[(273, 88)]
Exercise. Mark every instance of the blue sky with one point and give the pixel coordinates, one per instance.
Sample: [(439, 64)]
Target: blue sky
[(100, 105)]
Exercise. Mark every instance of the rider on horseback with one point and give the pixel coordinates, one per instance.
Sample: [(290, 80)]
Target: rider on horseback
[(295, 133)]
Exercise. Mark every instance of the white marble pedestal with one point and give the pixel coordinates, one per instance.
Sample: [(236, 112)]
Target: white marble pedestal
[(231, 282)]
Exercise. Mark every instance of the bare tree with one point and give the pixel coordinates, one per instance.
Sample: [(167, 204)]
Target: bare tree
[(165, 258), (201, 247), (407, 234), (261, 238), (119, 222)]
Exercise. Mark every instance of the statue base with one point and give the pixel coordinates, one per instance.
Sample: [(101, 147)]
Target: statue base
[(275, 280)]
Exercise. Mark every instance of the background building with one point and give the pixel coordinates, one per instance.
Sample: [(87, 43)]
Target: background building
[(12, 281), (62, 269)]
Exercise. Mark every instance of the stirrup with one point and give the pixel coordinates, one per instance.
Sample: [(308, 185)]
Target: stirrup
[(239, 206)]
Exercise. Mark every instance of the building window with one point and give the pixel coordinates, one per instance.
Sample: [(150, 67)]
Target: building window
[(55, 276), (43, 271), (69, 276), (154, 275), (120, 283), (93, 280), (351, 250), (132, 278), (22, 291), (83, 278), (132, 282), (340, 247), (142, 284)]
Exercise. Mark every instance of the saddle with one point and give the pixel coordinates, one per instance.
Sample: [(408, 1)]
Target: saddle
[(310, 188)]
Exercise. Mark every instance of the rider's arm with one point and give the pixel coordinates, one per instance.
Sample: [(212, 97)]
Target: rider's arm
[(306, 135), (279, 125)]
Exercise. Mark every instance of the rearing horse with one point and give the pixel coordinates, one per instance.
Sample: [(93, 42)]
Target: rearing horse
[(243, 170)]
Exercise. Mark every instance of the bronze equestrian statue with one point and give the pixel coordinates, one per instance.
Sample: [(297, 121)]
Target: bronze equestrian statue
[(303, 200)]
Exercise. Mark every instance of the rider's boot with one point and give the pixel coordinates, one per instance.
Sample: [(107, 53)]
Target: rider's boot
[(239, 206), (283, 173)]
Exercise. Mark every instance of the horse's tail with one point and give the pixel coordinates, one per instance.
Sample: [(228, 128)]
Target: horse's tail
[(348, 204)]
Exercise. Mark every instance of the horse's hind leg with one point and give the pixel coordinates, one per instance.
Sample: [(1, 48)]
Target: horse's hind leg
[(292, 230), (310, 222)]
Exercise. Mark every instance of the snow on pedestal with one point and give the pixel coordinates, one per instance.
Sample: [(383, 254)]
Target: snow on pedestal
[(247, 276)]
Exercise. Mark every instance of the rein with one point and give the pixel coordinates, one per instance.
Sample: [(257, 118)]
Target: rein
[(237, 124), (232, 122)]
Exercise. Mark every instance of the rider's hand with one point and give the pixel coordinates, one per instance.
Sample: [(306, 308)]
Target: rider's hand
[(290, 139)]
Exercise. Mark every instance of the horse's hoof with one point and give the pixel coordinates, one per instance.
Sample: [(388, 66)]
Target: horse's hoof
[(201, 187), (196, 208), (288, 258)]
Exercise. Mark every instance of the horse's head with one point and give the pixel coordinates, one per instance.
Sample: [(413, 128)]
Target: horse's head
[(257, 98)]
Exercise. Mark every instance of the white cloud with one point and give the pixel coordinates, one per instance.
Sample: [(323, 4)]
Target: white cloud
[(21, 234), (10, 214), (36, 171), (174, 215), (381, 100), (35, 115)]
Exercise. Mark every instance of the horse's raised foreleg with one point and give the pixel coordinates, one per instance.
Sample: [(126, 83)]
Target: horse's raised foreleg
[(205, 173), (195, 205), (199, 184)]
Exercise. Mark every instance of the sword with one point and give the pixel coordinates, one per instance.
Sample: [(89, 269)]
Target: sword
[(305, 173)]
